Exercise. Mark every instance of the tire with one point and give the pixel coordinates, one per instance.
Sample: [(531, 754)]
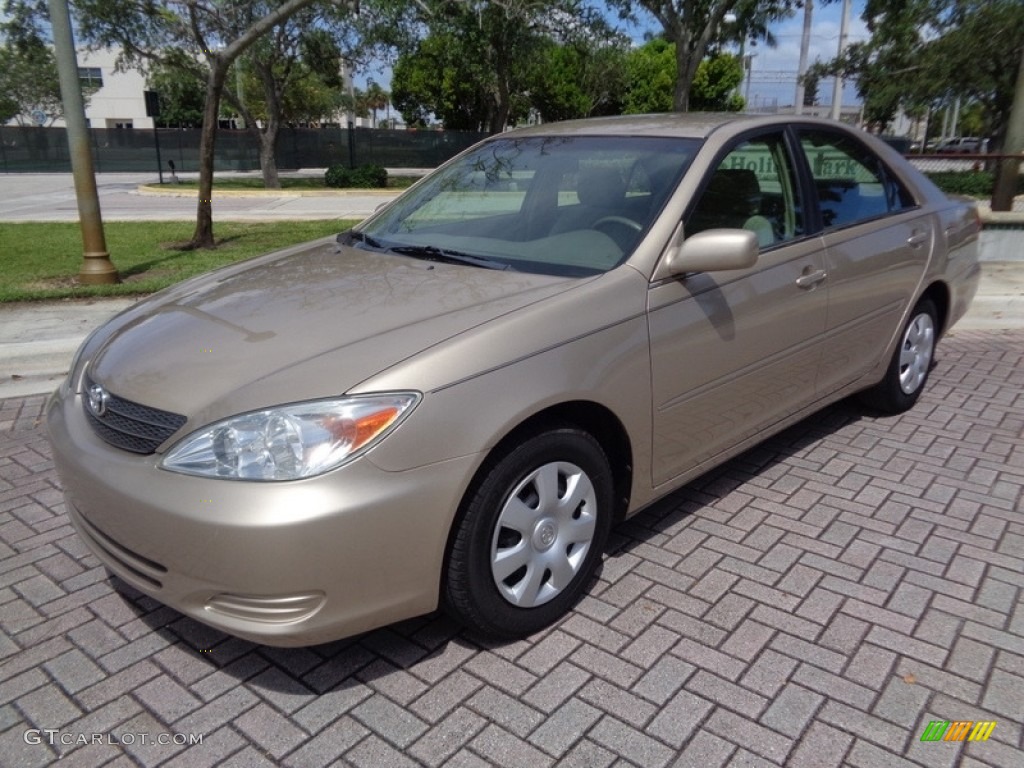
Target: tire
[(911, 362), (530, 535)]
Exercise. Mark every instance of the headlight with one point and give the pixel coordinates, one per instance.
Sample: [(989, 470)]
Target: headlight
[(291, 441)]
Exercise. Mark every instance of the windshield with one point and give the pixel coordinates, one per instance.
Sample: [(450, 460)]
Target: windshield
[(556, 205)]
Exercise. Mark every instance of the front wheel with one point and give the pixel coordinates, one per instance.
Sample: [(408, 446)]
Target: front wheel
[(911, 361), (530, 535)]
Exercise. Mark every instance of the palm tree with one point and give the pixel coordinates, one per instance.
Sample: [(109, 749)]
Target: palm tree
[(375, 98)]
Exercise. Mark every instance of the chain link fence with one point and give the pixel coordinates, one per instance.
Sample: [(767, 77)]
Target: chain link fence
[(31, 149), (965, 174)]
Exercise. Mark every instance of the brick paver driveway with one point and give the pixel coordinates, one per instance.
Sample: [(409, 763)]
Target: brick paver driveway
[(818, 601)]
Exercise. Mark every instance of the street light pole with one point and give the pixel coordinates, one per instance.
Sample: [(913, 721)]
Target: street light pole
[(837, 86), (96, 268), (805, 44)]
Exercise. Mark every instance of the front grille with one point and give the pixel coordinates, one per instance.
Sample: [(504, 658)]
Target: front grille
[(131, 426)]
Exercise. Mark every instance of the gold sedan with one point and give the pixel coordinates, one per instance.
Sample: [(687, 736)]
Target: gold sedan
[(452, 404)]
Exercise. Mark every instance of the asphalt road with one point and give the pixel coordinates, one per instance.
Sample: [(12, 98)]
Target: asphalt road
[(51, 197)]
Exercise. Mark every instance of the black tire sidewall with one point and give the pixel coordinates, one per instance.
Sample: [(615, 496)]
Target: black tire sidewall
[(888, 395), (470, 592)]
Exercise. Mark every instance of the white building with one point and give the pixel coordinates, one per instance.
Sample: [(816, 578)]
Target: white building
[(118, 101)]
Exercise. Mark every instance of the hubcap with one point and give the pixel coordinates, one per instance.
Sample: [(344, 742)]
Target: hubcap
[(543, 534), (916, 353)]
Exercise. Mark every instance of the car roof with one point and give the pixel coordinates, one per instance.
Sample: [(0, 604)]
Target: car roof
[(695, 125)]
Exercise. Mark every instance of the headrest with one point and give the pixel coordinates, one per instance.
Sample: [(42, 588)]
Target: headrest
[(601, 187), (737, 188)]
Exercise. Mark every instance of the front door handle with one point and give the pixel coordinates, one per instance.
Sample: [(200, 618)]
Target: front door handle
[(811, 279)]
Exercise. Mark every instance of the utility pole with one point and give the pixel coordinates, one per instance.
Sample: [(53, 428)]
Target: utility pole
[(97, 268), (837, 86), (805, 44)]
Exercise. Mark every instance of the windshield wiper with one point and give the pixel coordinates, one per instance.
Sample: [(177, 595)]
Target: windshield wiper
[(433, 253)]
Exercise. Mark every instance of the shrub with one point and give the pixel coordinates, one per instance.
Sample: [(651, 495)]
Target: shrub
[(363, 177), (972, 183)]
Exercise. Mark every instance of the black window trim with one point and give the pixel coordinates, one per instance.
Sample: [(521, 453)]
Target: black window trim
[(795, 159), (889, 177)]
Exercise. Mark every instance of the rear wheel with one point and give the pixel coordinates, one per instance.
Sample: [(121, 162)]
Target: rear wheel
[(911, 361), (531, 534)]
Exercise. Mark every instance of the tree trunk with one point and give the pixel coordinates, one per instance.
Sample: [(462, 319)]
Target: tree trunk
[(268, 135), (268, 157), (203, 235), (681, 95), (1008, 172), (687, 61)]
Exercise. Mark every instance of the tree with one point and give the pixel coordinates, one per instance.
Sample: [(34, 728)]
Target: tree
[(376, 98), (652, 69), (286, 75), (695, 25), (580, 67), (812, 80), (716, 85), (927, 53), (471, 69), (29, 82), (181, 98), (213, 32)]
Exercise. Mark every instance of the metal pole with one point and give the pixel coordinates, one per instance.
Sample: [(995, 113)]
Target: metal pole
[(159, 163), (805, 44), (750, 73), (837, 86), (96, 265)]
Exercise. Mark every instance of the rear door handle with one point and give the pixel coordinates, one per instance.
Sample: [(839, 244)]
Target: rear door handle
[(811, 279), (917, 239)]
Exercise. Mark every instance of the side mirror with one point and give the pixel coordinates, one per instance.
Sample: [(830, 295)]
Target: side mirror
[(714, 250)]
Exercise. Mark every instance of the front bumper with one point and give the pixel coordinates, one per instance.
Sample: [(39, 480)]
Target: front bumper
[(291, 563)]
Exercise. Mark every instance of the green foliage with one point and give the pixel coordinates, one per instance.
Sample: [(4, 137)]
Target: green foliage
[(180, 84), (474, 68), (926, 53), (363, 177), (698, 27), (318, 50), (573, 80), (29, 81), (651, 71), (973, 183), (715, 86)]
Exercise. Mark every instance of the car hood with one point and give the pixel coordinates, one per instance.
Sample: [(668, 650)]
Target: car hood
[(240, 338)]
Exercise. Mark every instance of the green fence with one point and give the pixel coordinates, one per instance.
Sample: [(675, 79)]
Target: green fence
[(45, 150)]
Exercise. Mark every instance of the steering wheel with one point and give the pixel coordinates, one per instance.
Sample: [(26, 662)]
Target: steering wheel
[(634, 225), (625, 230)]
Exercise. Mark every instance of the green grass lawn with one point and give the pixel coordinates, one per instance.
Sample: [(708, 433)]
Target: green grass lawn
[(41, 260)]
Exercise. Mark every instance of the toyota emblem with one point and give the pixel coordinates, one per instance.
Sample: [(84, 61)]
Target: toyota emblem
[(97, 400)]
